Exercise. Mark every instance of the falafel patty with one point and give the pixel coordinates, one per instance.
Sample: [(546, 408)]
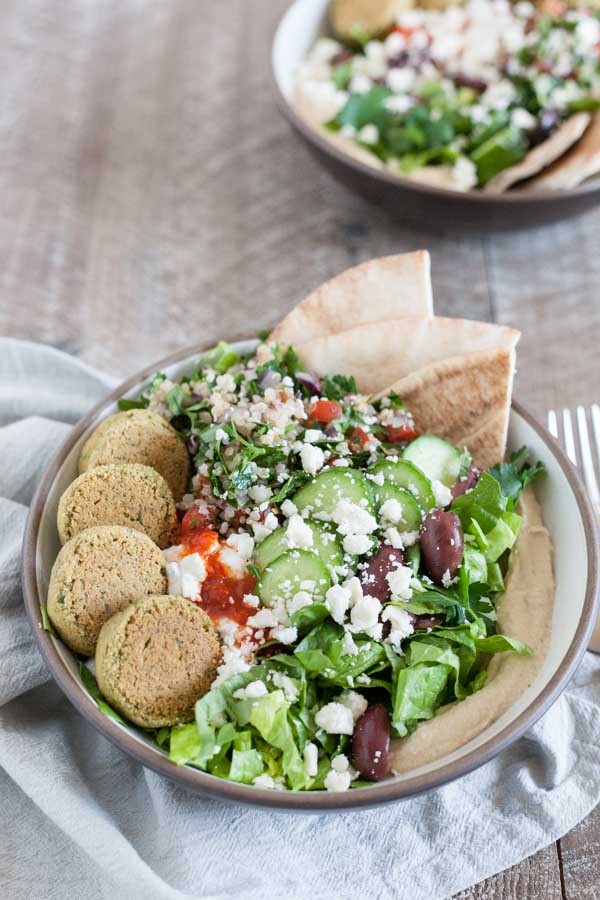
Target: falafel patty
[(156, 658), (98, 573), (139, 436), (129, 494)]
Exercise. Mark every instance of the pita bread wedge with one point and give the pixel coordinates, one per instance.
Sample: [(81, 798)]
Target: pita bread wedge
[(379, 354), (391, 287), (541, 156), (465, 399), (581, 162)]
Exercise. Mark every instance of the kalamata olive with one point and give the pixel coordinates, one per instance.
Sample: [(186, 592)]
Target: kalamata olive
[(467, 482), (342, 57), (547, 123), (424, 623), (463, 80), (373, 576), (442, 544), (371, 743), (272, 649)]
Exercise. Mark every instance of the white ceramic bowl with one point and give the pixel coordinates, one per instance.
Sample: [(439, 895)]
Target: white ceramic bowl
[(566, 513), (298, 29)]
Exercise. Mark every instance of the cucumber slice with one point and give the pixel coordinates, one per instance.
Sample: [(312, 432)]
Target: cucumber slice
[(285, 576), (439, 460), (412, 514), (321, 495), (405, 475), (325, 545)]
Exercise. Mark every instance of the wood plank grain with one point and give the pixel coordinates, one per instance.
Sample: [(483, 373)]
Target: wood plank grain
[(580, 860), (536, 877), (165, 197), (547, 285)]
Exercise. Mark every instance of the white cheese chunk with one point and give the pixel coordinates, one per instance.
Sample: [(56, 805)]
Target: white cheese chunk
[(337, 781), (353, 519), (335, 718), (242, 543), (355, 702), (337, 601), (193, 564), (399, 581), (312, 458), (356, 544), (298, 534), (285, 635), (311, 759), (442, 494)]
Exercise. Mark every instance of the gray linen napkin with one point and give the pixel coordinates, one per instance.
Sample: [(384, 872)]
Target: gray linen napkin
[(83, 820)]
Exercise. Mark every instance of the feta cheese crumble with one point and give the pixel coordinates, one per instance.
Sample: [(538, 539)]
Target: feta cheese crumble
[(312, 458), (335, 718), (353, 519)]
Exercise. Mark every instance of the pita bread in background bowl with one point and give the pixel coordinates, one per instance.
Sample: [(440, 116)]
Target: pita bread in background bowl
[(390, 287), (567, 134), (581, 162)]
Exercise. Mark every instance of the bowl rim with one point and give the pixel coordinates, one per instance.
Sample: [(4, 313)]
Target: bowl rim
[(203, 783), (313, 136)]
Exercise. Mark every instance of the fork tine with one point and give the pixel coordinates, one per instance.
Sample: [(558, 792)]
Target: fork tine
[(569, 438), (596, 427), (553, 424), (587, 461)]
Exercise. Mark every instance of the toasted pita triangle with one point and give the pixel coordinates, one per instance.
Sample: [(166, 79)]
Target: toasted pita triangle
[(541, 156), (581, 162), (392, 287), (379, 354), (465, 399)]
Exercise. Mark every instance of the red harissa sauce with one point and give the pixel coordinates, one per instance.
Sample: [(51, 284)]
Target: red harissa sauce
[(222, 593)]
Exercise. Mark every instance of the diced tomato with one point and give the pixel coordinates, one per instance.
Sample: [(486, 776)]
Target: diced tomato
[(325, 411), (396, 435), (358, 439), (408, 32), (194, 520)]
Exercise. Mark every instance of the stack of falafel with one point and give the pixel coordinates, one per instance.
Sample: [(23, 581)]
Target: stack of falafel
[(155, 653)]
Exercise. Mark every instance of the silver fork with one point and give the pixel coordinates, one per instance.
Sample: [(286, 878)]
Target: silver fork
[(573, 433)]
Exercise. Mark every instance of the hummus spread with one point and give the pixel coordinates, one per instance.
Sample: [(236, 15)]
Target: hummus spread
[(524, 611)]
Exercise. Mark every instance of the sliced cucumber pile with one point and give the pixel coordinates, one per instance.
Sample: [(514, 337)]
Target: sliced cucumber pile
[(439, 460), (325, 544), (404, 474), (412, 514), (293, 571), (320, 495)]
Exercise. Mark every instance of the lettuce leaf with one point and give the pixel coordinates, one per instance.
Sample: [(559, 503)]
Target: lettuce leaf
[(269, 717), (484, 504), (515, 475), (417, 693), (91, 685)]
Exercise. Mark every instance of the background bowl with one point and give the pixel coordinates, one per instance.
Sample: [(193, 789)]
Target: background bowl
[(566, 513), (295, 34)]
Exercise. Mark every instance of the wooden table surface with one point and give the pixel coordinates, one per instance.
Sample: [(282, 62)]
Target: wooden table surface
[(153, 196)]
